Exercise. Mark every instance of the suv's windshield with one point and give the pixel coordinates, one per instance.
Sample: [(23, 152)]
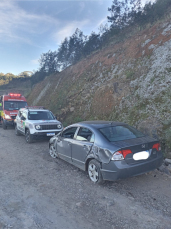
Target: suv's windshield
[(14, 105), (118, 133), (40, 115)]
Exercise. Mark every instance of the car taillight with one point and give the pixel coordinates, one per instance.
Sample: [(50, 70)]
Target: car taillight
[(126, 152), (121, 154), (157, 146)]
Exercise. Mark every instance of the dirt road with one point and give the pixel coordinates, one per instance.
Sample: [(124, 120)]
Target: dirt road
[(37, 191)]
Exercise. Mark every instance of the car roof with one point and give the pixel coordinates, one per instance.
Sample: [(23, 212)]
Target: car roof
[(100, 123), (31, 109), (37, 110)]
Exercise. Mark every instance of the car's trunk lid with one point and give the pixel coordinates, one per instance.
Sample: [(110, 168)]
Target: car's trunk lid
[(141, 149)]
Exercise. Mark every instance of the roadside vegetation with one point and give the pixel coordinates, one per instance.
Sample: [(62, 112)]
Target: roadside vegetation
[(123, 14), (7, 78)]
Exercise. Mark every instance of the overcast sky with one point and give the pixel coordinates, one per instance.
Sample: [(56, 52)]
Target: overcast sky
[(30, 28)]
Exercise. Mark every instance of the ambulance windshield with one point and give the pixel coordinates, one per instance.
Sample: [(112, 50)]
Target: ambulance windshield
[(14, 105)]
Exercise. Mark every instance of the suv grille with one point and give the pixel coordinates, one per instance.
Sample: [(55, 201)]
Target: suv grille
[(49, 127)]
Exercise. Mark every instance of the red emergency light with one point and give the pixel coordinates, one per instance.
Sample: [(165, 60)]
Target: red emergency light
[(14, 95)]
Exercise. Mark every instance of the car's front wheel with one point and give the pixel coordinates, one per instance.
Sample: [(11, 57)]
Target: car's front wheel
[(94, 172), (3, 125), (28, 136), (52, 151)]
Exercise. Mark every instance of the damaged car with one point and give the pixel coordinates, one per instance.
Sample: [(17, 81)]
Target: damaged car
[(107, 150)]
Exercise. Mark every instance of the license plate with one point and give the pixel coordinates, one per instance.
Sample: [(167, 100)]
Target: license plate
[(50, 134), (141, 155)]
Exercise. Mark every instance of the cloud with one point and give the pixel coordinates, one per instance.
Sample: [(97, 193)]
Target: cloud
[(36, 61), (69, 29), (16, 23), (81, 7), (147, 1), (102, 21)]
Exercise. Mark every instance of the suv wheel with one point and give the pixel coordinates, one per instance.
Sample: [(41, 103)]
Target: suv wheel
[(16, 131), (28, 136)]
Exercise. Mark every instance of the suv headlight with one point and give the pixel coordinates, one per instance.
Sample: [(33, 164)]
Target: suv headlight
[(38, 127), (7, 116), (59, 126)]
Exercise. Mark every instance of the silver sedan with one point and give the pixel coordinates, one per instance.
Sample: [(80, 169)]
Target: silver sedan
[(107, 150)]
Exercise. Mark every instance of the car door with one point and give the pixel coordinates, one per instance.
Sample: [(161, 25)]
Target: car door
[(64, 142), (22, 121), (81, 146), (18, 120)]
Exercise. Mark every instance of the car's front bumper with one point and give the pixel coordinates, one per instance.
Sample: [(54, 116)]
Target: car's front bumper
[(115, 170), (44, 134), (9, 122)]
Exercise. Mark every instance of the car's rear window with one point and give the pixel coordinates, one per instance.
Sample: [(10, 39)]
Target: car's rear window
[(119, 133)]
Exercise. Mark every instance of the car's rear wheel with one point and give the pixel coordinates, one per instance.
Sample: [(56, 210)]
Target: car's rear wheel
[(52, 151), (28, 136), (16, 131), (3, 125), (94, 172)]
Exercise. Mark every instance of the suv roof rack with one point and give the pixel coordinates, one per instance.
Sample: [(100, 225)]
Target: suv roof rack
[(34, 107)]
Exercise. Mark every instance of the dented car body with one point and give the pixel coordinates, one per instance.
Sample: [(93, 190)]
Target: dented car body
[(107, 150)]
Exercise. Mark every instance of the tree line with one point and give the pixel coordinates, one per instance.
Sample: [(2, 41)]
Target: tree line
[(6, 78), (123, 13)]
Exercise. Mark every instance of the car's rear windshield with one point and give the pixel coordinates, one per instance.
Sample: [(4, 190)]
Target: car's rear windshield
[(40, 115), (119, 133), (14, 105)]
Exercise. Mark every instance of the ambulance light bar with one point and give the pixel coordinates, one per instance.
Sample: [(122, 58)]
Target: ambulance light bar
[(14, 95)]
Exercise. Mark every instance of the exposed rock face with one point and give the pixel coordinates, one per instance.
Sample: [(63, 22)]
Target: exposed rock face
[(127, 81)]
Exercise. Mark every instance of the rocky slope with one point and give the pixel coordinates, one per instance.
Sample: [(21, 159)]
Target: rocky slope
[(128, 81)]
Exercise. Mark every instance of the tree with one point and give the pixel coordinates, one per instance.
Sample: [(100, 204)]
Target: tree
[(25, 74), (93, 43), (48, 62), (63, 54), (76, 45), (123, 12), (70, 50)]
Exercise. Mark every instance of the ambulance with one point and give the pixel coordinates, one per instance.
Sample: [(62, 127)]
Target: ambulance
[(9, 106)]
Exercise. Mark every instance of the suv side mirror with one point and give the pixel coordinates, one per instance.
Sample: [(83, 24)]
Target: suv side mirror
[(23, 118)]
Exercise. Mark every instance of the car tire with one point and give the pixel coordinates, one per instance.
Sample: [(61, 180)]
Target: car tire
[(28, 136), (3, 125), (94, 172), (52, 151), (16, 131)]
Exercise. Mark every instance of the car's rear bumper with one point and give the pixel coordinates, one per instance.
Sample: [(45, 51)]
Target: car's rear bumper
[(115, 170)]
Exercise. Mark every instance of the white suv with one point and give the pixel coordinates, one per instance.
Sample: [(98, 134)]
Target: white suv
[(36, 122)]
